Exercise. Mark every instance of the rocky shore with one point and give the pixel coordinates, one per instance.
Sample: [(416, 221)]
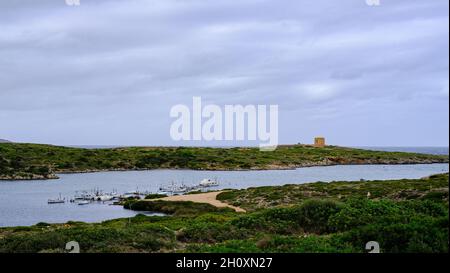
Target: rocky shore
[(326, 162), (29, 176)]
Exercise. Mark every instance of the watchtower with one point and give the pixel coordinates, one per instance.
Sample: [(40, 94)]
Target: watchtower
[(319, 142)]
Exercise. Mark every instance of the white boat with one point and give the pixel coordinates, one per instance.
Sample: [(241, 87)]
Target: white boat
[(83, 203), (180, 190), (128, 195), (115, 194), (208, 183), (104, 198), (174, 188), (138, 192), (165, 189), (57, 200), (84, 196)]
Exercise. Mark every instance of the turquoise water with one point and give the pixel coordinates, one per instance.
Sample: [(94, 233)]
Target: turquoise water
[(25, 202)]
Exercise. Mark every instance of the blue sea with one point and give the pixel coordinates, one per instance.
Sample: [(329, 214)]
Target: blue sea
[(420, 150)]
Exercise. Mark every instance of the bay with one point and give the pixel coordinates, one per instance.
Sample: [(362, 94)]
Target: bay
[(24, 203)]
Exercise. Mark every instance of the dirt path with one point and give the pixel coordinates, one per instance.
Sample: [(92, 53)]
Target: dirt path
[(208, 197)]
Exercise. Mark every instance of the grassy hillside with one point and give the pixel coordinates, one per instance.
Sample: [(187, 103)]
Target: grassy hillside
[(26, 161), (406, 216)]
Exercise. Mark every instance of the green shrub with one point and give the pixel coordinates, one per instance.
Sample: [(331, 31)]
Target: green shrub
[(210, 232), (360, 212), (313, 215), (30, 243), (42, 224), (155, 196), (421, 235), (174, 207)]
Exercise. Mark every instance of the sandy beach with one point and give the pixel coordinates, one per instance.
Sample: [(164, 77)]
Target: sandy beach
[(209, 198)]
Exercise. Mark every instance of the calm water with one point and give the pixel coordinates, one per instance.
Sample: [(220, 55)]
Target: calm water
[(420, 150), (25, 202)]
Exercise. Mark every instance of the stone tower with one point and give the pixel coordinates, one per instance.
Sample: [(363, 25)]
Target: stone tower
[(319, 142)]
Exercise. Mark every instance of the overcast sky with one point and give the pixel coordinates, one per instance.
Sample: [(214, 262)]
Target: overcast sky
[(108, 72)]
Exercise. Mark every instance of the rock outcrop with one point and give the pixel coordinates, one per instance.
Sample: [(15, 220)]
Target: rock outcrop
[(29, 176)]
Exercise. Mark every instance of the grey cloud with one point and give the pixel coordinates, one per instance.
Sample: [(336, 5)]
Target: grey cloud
[(108, 65)]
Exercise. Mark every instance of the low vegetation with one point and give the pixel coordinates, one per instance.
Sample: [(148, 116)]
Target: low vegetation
[(155, 196), (402, 215), (176, 208), (36, 161), (434, 187)]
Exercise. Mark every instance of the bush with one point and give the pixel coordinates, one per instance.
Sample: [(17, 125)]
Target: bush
[(279, 244), (436, 196), (407, 226), (313, 215), (155, 196), (310, 217), (175, 208), (422, 235), (361, 212), (279, 220), (42, 224), (32, 243), (204, 232)]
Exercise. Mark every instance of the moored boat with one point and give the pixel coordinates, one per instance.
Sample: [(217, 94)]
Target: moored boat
[(208, 183), (58, 200)]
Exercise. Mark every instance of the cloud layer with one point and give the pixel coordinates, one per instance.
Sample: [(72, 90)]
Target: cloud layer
[(108, 72)]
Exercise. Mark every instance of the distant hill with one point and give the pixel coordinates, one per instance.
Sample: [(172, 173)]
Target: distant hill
[(37, 161), (4, 141)]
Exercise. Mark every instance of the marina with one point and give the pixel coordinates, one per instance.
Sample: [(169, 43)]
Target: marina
[(99, 196)]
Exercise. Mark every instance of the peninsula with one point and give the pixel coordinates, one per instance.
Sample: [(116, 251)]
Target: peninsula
[(19, 161)]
